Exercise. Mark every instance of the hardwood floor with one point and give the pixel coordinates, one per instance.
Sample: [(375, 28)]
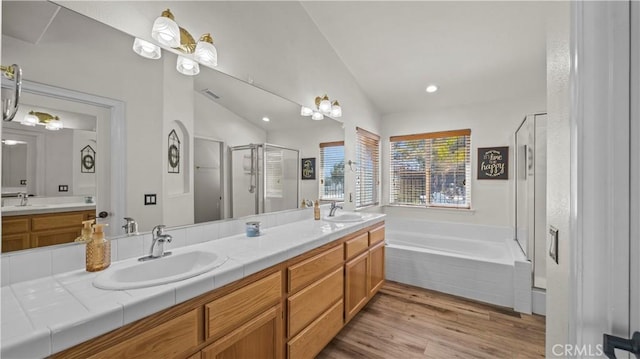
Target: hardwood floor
[(403, 322)]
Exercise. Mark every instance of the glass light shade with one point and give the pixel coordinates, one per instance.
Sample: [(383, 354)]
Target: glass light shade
[(325, 105), (146, 49), (166, 31), (54, 125), (305, 111), (30, 120), (336, 109), (187, 66), (206, 53), (317, 116)]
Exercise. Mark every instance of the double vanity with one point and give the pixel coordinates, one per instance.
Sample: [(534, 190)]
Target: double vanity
[(286, 293)]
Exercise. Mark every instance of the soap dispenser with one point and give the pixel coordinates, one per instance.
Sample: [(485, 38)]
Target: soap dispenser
[(316, 210), (85, 235), (98, 250)]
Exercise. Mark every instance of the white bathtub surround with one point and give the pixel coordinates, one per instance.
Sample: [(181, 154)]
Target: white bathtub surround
[(473, 261), (46, 313)]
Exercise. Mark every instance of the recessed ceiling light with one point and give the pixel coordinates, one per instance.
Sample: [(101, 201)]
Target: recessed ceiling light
[(265, 119), (432, 88)]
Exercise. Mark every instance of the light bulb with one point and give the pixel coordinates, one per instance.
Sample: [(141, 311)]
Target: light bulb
[(317, 116), (305, 111), (165, 30), (206, 53), (54, 125), (146, 49), (30, 119), (336, 109), (325, 105), (187, 66)]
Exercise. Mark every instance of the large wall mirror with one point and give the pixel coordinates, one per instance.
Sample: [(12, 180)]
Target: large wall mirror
[(211, 116)]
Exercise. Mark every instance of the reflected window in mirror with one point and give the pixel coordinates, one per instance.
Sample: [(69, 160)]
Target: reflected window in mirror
[(332, 171)]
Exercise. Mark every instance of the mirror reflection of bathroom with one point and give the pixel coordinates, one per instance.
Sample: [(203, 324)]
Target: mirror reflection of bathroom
[(263, 179), (531, 194)]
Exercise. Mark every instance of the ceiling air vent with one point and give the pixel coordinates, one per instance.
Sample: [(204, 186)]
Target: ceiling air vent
[(210, 94)]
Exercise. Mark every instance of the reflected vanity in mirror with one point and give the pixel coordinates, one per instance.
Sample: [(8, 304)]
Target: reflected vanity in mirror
[(136, 103)]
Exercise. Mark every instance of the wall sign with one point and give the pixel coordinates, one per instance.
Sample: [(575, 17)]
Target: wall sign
[(173, 155), (308, 168), (87, 160), (493, 163)]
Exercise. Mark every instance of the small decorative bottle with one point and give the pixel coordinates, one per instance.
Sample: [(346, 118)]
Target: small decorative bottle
[(316, 210), (85, 235), (98, 250)]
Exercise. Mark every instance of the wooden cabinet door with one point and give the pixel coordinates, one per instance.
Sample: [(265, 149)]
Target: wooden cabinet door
[(356, 285), (15, 242), (376, 269), (54, 236), (261, 338)]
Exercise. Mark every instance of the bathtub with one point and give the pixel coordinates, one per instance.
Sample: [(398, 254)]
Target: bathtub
[(475, 262)]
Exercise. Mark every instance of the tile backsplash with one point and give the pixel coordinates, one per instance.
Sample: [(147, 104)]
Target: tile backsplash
[(43, 262)]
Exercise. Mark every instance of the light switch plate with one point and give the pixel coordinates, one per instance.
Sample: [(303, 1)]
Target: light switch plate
[(553, 243), (150, 199)]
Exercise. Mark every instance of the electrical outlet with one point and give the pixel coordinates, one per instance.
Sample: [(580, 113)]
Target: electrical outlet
[(150, 199), (63, 188)]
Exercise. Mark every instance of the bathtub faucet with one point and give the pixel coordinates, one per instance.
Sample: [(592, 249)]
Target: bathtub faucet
[(334, 208)]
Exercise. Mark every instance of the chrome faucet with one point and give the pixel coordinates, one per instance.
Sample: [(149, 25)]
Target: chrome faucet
[(24, 199), (334, 208), (157, 245), (131, 227)]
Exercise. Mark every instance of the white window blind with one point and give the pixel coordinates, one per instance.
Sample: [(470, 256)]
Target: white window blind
[(332, 171), (431, 169), (368, 168)]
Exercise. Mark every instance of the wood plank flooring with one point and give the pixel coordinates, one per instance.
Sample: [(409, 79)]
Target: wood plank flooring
[(403, 322)]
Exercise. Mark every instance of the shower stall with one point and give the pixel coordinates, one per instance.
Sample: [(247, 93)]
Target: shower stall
[(263, 178), (531, 193)]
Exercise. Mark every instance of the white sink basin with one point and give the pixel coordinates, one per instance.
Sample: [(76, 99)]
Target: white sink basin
[(345, 217), (164, 270)]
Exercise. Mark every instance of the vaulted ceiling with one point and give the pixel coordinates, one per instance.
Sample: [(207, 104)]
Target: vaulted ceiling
[(474, 51)]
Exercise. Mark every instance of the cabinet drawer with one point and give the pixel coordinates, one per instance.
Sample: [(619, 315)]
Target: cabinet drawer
[(314, 268), (231, 311), (53, 221), (316, 336), (164, 341), (309, 303), (376, 235), (54, 236), (356, 245), (15, 225)]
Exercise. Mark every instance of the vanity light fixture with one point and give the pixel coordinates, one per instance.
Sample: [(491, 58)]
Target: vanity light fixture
[(49, 121), (324, 107), (167, 33), (146, 49)]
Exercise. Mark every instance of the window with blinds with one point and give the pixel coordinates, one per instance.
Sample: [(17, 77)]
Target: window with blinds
[(368, 168), (431, 169), (332, 171)]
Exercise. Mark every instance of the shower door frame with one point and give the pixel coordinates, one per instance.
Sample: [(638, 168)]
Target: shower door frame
[(260, 179)]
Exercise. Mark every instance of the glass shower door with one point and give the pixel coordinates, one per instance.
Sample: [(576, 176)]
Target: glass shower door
[(281, 178)]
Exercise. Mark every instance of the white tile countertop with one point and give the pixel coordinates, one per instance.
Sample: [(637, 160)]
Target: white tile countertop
[(8, 211), (47, 315)]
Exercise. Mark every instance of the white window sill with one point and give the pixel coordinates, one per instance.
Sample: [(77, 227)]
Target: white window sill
[(435, 209)]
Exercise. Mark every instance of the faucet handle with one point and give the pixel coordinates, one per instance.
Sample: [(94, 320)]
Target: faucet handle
[(129, 219), (159, 229)]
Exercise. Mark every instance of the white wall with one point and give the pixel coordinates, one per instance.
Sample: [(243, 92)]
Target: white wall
[(307, 141), (491, 124), (558, 175)]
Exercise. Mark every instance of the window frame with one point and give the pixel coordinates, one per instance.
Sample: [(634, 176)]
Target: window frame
[(371, 142), (430, 136), (321, 177)]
